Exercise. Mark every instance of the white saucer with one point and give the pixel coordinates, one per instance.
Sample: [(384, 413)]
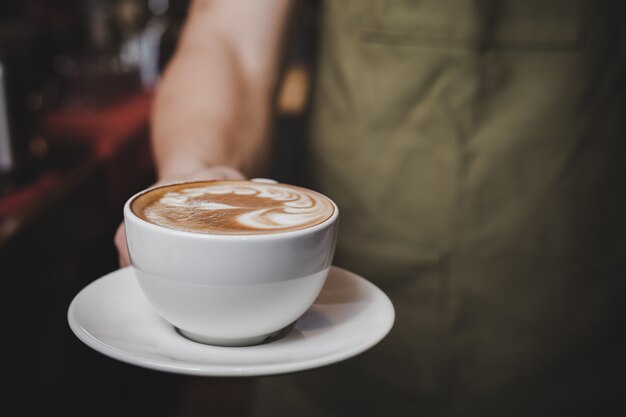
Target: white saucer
[(112, 316)]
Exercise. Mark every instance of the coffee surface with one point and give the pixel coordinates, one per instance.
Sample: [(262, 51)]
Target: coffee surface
[(232, 207)]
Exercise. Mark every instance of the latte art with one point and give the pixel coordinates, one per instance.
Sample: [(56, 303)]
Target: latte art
[(232, 207)]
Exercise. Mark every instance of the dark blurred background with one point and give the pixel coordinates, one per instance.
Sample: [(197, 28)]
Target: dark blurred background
[(76, 83)]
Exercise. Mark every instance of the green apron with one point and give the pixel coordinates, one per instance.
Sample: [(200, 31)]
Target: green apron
[(477, 153)]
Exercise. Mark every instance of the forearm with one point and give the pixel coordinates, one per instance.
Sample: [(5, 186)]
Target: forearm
[(204, 116), (213, 105)]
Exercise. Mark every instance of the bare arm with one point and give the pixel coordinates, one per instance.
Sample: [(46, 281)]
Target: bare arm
[(213, 104), (212, 107)]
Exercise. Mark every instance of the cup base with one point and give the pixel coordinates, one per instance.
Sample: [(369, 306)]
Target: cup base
[(237, 342)]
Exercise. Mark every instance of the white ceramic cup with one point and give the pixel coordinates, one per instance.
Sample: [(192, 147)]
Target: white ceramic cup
[(230, 290)]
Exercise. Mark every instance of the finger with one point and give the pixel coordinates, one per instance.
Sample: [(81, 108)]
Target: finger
[(228, 173), (122, 247), (218, 172)]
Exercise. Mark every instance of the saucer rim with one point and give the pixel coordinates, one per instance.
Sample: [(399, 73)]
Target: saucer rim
[(215, 370)]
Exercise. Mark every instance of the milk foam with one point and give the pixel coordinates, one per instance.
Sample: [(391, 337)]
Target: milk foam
[(281, 208)]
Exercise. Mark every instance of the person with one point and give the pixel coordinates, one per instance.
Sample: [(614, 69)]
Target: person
[(476, 151)]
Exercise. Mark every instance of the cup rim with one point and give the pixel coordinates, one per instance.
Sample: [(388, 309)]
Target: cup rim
[(129, 215)]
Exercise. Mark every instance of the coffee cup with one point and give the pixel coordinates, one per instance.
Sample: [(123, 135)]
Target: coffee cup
[(231, 263)]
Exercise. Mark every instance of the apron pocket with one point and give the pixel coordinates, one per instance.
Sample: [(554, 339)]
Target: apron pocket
[(524, 25)]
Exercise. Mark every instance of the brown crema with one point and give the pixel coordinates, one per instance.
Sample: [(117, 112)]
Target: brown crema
[(232, 207)]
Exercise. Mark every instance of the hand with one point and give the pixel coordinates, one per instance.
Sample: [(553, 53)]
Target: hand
[(214, 173)]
